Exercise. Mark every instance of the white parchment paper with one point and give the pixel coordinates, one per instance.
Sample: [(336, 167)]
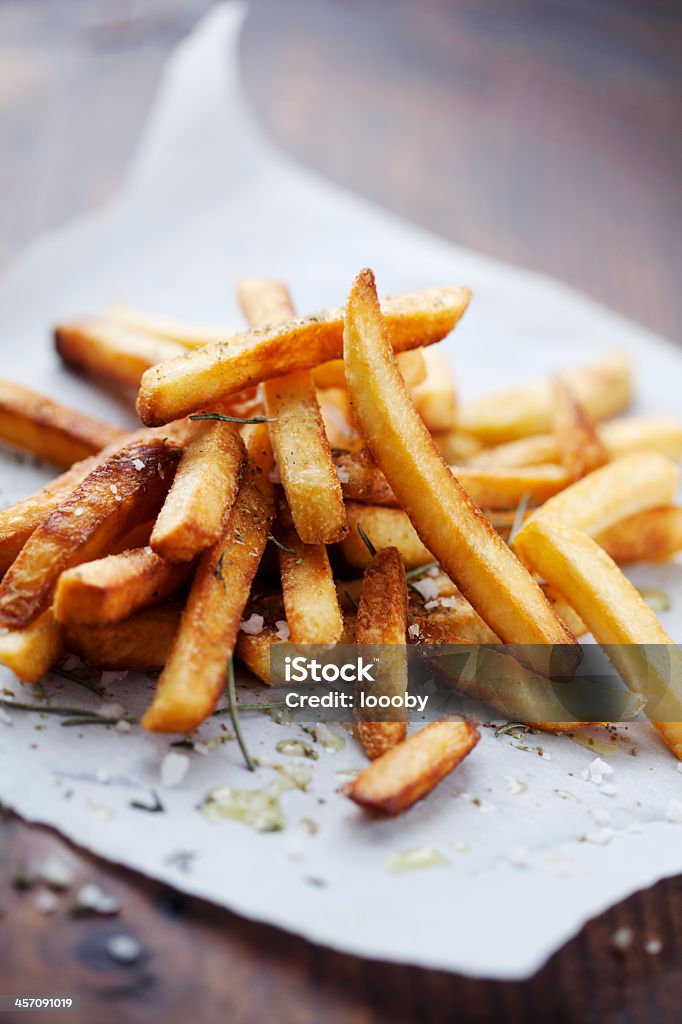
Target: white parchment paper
[(532, 848)]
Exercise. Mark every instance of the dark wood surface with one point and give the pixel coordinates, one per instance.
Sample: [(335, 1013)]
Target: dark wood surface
[(545, 133)]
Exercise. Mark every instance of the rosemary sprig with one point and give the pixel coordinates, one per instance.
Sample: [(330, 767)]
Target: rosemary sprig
[(234, 715), (368, 544), (420, 569), (93, 720), (519, 516), (508, 729), (278, 544), (231, 419), (356, 604), (63, 711)]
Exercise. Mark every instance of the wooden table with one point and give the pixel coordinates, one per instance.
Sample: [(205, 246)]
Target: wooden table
[(543, 133)]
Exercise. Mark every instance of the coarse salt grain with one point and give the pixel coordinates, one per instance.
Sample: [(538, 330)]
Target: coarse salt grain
[(174, 767), (283, 631), (138, 464), (46, 902), (253, 625), (653, 946), (427, 588), (91, 897), (343, 474), (622, 939), (111, 710), (123, 948), (414, 630), (673, 811), (600, 838), (55, 873)]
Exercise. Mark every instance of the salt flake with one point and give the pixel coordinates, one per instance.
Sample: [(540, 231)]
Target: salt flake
[(253, 625), (174, 767)]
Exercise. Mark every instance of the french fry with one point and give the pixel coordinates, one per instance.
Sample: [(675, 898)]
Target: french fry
[(620, 437), (617, 616), (385, 527), (202, 492), (412, 365), (32, 651), (115, 587), (254, 648), (196, 668), (579, 446), (299, 441), (382, 622), (458, 623), (401, 776), (621, 488), (493, 489), (310, 602), (645, 536), (50, 430), (181, 386), (169, 328), (642, 434), (448, 523), (140, 643), (18, 521), (436, 397), (107, 349), (337, 416), (603, 388), (126, 488), (460, 448)]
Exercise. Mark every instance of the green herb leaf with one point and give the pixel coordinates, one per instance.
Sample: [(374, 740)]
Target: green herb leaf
[(370, 547), (231, 419), (234, 715), (278, 544)]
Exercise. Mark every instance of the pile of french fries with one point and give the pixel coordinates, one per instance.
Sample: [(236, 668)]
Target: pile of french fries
[(314, 480)]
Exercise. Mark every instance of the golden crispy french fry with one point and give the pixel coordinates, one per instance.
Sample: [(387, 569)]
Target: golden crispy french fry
[(254, 648), (403, 775), (385, 527), (412, 365), (579, 446), (299, 440), (617, 616), (447, 521), (493, 489), (115, 587), (565, 611), (603, 388), (50, 430), (196, 668), (202, 492), (459, 448), (32, 651), (128, 487), (645, 536), (337, 416), (310, 602), (620, 437), (140, 643), (642, 434), (436, 396), (18, 521), (183, 385), (381, 621), (182, 332), (621, 488), (107, 349)]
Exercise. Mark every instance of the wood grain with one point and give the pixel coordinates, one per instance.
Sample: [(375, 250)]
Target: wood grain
[(540, 132)]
